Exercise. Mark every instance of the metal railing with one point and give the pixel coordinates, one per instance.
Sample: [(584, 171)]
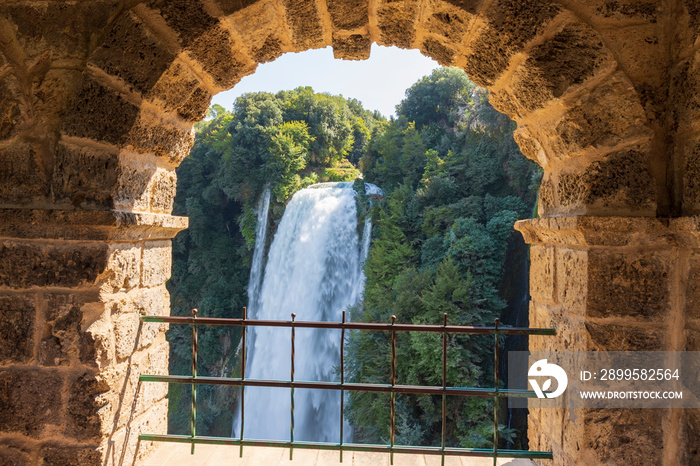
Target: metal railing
[(392, 388)]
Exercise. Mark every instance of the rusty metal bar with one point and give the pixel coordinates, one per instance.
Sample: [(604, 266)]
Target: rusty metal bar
[(369, 326), (444, 386), (193, 407), (473, 452), (497, 383), (342, 381), (393, 384), (291, 427), (243, 358)]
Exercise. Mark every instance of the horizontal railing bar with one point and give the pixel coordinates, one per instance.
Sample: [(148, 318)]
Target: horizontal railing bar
[(357, 387), (375, 326), (477, 452)]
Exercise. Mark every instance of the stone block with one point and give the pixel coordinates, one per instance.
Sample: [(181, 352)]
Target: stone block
[(438, 51), (448, 21), (625, 436), (397, 23), (125, 441), (17, 317), (510, 24), (269, 50), (219, 56), (196, 106), (349, 14), (618, 14), (101, 114), (12, 107), (133, 192), (157, 263), (123, 270), (24, 264), (85, 176), (174, 87), (690, 441), (64, 29), (626, 284), (188, 19), (263, 27), (565, 62), (613, 337), (619, 184), (87, 397), (163, 191), (690, 152), (228, 7), (30, 402), (305, 24), (152, 301), (130, 52), (126, 334), (602, 119), (572, 279), (63, 455), (23, 179), (152, 134), (52, 95), (351, 47), (14, 454), (63, 341), (542, 273)]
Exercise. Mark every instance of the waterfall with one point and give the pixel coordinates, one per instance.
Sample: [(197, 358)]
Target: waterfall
[(313, 270), (257, 267)]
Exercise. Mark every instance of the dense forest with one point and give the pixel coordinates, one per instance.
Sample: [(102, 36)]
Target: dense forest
[(454, 182)]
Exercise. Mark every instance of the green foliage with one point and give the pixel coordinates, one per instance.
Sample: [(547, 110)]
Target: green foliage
[(454, 183)]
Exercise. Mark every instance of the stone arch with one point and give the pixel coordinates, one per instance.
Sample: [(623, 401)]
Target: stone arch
[(97, 102)]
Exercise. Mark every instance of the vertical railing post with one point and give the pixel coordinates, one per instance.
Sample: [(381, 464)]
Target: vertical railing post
[(342, 382), (195, 350), (291, 425), (444, 386), (497, 383), (243, 357), (393, 383)]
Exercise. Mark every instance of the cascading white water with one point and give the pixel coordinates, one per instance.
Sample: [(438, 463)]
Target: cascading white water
[(314, 270), (257, 267)]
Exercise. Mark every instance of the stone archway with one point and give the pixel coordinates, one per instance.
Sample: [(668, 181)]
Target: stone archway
[(98, 101)]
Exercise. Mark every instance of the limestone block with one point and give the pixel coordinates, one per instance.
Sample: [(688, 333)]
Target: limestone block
[(351, 47), (263, 29), (627, 284), (349, 14), (232, 6), (684, 92), (304, 23), (220, 56), (448, 21), (195, 107), (25, 264), (125, 447), (690, 152), (510, 24), (52, 95), (151, 133), (163, 191), (613, 337), (157, 263), (173, 87), (23, 179), (619, 184), (30, 401), (133, 192), (542, 273), (187, 18), (152, 301), (14, 454), (99, 336), (572, 279), (84, 175), (63, 29), (599, 120), (618, 14), (397, 23), (17, 316), (690, 442), (62, 455), (610, 433), (130, 52), (101, 114), (439, 52), (87, 396), (126, 333), (123, 270), (63, 341), (12, 107), (559, 65)]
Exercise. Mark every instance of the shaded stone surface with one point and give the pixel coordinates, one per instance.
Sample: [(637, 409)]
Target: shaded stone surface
[(30, 401), (17, 316)]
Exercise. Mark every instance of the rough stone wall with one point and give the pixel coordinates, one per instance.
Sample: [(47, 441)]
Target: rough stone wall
[(97, 102)]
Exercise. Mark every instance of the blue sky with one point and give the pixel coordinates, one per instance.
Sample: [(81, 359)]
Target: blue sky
[(379, 82)]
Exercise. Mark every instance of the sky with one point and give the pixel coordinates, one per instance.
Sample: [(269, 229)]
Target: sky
[(378, 82)]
